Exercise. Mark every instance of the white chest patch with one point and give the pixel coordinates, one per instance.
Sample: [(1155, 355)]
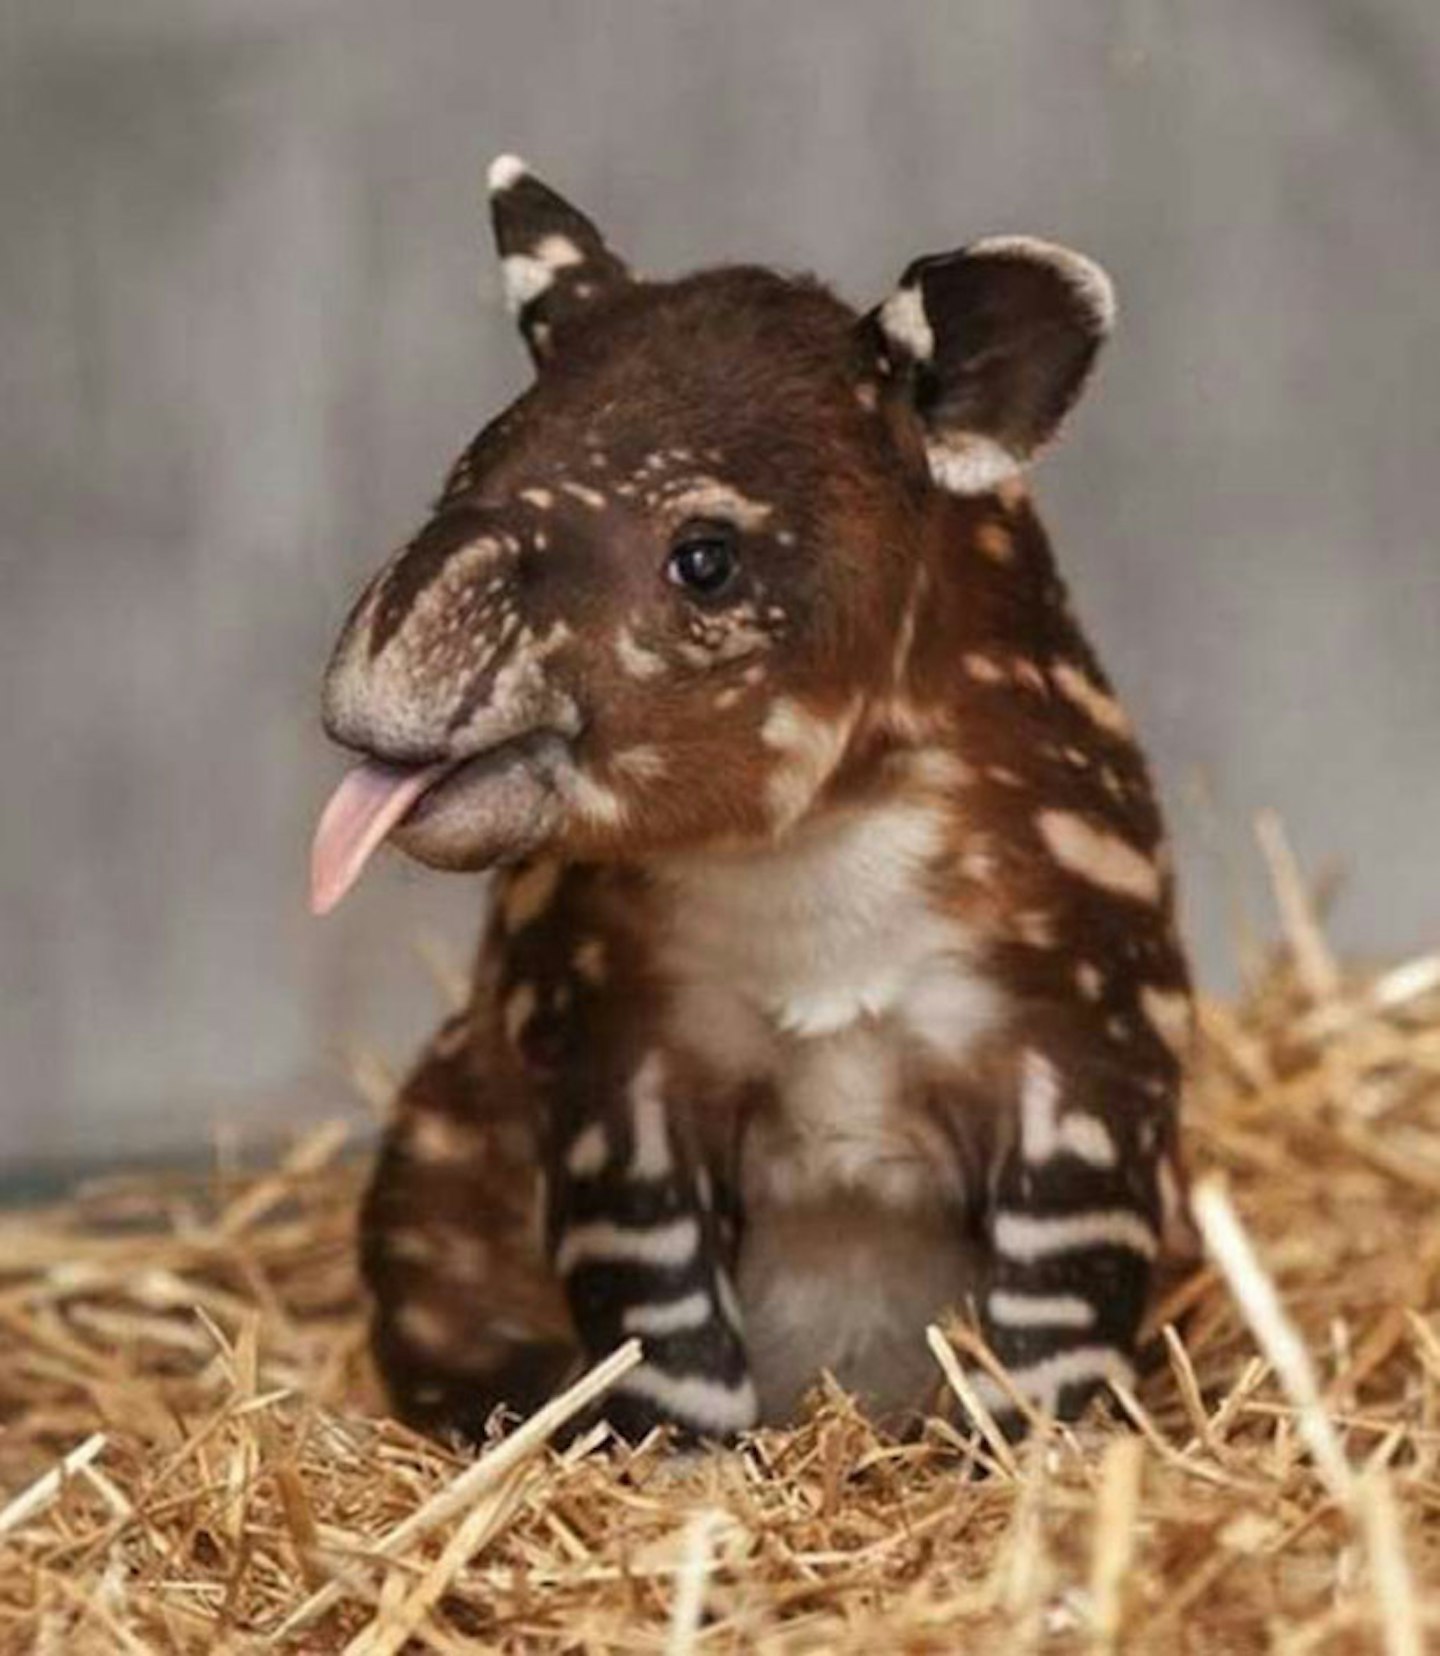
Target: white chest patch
[(823, 968), (828, 927)]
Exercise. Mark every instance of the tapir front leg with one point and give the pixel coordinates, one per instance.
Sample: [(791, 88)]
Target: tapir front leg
[(639, 1229), (1077, 1213), (640, 1250)]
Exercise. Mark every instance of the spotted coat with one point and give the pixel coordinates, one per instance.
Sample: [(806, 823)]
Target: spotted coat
[(831, 978)]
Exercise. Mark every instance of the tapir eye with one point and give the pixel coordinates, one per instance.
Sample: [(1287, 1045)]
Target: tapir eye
[(704, 559)]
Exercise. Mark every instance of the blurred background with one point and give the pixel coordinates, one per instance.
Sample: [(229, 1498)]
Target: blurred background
[(250, 314)]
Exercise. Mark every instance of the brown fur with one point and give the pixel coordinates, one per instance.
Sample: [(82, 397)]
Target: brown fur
[(892, 646)]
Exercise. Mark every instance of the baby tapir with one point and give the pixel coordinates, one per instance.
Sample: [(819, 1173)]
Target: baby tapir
[(831, 979)]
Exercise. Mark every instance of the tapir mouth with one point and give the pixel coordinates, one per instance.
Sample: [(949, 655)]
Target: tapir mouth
[(470, 812)]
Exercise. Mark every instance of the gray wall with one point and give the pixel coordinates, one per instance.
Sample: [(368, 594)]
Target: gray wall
[(249, 314)]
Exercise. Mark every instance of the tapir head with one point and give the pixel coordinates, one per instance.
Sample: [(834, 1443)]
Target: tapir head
[(660, 591)]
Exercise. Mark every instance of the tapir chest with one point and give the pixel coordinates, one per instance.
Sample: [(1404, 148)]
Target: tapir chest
[(854, 1192), (843, 1034)]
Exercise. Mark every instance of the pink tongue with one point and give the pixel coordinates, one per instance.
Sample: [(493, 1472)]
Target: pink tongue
[(362, 811)]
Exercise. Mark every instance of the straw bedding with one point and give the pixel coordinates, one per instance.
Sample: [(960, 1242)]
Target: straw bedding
[(193, 1456)]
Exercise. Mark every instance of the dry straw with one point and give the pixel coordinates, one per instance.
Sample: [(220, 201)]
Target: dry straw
[(194, 1459)]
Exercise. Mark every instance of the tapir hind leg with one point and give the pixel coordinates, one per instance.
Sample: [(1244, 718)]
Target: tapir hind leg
[(467, 1315)]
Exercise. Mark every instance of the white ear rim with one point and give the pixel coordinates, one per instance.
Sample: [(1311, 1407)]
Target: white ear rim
[(504, 173), (905, 324), (1088, 281), (527, 275), (970, 464), (967, 463)]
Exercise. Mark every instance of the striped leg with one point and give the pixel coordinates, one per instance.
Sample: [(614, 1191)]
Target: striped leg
[(467, 1317), (641, 1250), (1075, 1224)]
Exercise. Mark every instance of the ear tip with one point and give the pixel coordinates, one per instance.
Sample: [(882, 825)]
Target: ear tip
[(505, 171), (1095, 282), (1089, 281)]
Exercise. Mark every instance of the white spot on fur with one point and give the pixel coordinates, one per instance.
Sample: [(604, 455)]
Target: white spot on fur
[(663, 1246), (903, 320), (643, 762), (994, 541), (1043, 1382), (978, 861), (412, 1247), (439, 1140), (1169, 1015), (528, 893), (1099, 707), (723, 638), (1102, 858), (585, 495), (518, 1010), (1089, 980), (592, 800), (983, 669), (676, 1316), (810, 746), (541, 499), (651, 1158), (1088, 1138), (528, 275), (505, 171), (965, 463), (938, 768), (463, 1258), (706, 1404), (1004, 776), (1025, 1237), (634, 658), (709, 497), (589, 1152), (422, 1325), (1013, 1310), (589, 959), (465, 564), (1045, 1132), (1035, 929)]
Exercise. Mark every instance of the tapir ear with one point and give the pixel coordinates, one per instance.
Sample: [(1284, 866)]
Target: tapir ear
[(993, 345), (555, 262)]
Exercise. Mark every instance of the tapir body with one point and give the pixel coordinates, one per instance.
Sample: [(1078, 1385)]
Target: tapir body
[(831, 979)]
